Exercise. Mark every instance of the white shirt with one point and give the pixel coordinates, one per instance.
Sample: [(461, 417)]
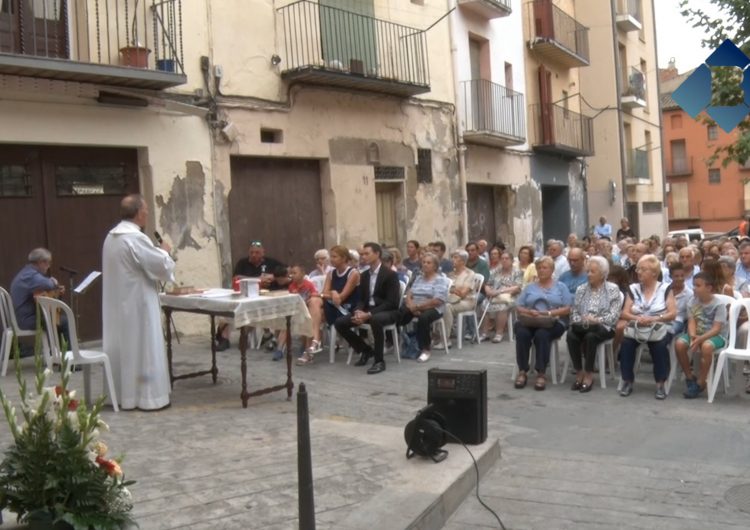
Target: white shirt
[(373, 279), (561, 266)]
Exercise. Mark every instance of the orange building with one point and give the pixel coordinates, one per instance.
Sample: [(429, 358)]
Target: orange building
[(709, 196)]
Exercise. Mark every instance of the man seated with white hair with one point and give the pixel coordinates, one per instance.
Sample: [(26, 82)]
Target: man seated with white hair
[(555, 251), (322, 264), (687, 257)]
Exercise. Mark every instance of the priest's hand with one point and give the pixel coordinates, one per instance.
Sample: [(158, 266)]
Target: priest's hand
[(165, 246)]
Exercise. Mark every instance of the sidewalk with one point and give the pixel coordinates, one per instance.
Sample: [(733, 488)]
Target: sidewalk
[(567, 459)]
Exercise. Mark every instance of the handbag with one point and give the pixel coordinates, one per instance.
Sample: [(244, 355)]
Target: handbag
[(504, 298), (528, 321), (649, 333)]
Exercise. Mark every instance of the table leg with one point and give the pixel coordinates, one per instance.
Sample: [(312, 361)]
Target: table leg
[(289, 383), (243, 365), (168, 315), (214, 370)]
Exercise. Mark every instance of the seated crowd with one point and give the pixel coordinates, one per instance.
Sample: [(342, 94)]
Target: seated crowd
[(631, 293)]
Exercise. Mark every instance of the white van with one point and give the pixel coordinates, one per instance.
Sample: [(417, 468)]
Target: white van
[(693, 234)]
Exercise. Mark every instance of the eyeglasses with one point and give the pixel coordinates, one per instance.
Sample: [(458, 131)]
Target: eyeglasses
[(256, 244)]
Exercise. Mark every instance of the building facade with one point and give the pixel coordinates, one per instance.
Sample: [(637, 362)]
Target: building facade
[(702, 193), (621, 87)]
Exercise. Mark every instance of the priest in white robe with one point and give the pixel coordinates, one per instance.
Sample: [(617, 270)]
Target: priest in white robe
[(132, 329)]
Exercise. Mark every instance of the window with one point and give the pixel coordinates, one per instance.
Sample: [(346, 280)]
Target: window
[(14, 182), (680, 165), (271, 136), (424, 166), (713, 132), (652, 207), (675, 121), (389, 173), (90, 180), (714, 176)]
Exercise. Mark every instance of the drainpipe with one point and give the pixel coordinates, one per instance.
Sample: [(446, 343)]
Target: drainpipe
[(460, 147)]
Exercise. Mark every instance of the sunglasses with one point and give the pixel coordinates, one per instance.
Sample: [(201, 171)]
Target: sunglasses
[(256, 244)]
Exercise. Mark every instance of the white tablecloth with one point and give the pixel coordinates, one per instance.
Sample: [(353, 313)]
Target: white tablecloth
[(264, 311)]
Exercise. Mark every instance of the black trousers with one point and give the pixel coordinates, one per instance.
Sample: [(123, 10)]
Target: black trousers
[(424, 325), (582, 344), (345, 328)]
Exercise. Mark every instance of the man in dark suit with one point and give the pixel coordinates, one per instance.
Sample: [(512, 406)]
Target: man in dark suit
[(379, 293)]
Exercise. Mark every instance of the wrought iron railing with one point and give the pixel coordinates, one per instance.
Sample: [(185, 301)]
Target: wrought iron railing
[(638, 166), (487, 106), (334, 40), (139, 33), (635, 84), (552, 23), (559, 127), (630, 7)]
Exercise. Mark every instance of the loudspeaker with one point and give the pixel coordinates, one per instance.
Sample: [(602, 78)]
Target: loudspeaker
[(460, 396)]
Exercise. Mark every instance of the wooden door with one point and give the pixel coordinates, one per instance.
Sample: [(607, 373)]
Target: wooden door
[(481, 212), (72, 203), (277, 201), (386, 202), (545, 104), (348, 35)]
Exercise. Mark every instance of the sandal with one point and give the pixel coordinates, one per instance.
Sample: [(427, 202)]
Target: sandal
[(315, 347), (305, 359), (520, 380), (541, 383)]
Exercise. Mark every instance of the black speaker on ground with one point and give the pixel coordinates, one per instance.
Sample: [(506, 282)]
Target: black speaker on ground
[(460, 396)]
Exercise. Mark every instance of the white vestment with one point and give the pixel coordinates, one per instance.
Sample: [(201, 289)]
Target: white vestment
[(132, 329)]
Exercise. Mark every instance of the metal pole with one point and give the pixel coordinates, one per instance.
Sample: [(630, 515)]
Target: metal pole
[(304, 463)]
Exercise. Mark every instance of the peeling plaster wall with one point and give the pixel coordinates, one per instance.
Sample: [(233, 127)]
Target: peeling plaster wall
[(337, 128)]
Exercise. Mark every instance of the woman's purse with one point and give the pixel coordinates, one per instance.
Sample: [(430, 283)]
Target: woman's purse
[(504, 298), (529, 321), (648, 333)]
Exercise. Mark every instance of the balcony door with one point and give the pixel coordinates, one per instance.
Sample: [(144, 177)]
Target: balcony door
[(348, 36), (34, 27)]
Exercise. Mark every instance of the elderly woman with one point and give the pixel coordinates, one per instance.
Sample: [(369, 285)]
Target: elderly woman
[(494, 259), (592, 320), (461, 295), (425, 301), (340, 293), (729, 267), (526, 264), (542, 308), (651, 303), (322, 264), (501, 290)]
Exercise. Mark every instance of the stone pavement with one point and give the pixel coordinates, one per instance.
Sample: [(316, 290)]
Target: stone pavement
[(567, 459)]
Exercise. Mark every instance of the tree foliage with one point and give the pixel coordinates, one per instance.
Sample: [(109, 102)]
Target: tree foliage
[(731, 22)]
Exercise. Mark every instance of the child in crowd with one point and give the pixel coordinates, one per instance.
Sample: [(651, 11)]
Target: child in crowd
[(306, 289), (706, 330)]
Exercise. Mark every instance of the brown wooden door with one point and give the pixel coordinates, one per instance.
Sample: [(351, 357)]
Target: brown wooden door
[(545, 105), (74, 201), (276, 201), (34, 27), (481, 212)]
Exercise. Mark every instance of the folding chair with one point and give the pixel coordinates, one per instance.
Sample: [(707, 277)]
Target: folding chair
[(10, 329)]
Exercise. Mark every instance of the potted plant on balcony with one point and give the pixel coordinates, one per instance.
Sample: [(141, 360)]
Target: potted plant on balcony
[(134, 54), (56, 474)]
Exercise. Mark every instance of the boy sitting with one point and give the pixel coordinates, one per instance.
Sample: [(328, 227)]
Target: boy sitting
[(306, 289), (706, 330)]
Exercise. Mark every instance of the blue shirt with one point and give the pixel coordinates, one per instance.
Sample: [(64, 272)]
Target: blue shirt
[(27, 282), (423, 290), (603, 230), (536, 297), (572, 282)]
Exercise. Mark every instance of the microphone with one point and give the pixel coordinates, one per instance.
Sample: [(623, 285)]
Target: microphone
[(68, 270), (158, 238)]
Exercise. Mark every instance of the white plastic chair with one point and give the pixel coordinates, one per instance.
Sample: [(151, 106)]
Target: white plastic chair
[(731, 352), (75, 356), (471, 313), (11, 329), (393, 328), (554, 361), (604, 354)]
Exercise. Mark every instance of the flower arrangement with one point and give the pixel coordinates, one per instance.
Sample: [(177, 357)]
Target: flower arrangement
[(57, 474)]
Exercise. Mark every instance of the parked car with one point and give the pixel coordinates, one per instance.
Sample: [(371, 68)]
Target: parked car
[(693, 234)]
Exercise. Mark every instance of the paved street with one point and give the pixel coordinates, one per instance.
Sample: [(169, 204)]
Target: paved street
[(567, 459)]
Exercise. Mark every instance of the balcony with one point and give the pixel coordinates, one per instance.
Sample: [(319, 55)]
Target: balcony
[(558, 37), (562, 131), (680, 167), (126, 43), (487, 9), (637, 171), (629, 16), (493, 115), (332, 47), (634, 92)]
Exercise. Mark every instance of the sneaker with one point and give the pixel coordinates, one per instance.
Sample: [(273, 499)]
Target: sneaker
[(691, 385), (468, 336), (271, 345), (278, 355), (440, 346), (497, 338), (423, 357), (693, 391), (627, 389), (660, 393)]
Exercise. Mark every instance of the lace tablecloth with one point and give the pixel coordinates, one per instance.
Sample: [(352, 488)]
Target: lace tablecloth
[(264, 311)]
